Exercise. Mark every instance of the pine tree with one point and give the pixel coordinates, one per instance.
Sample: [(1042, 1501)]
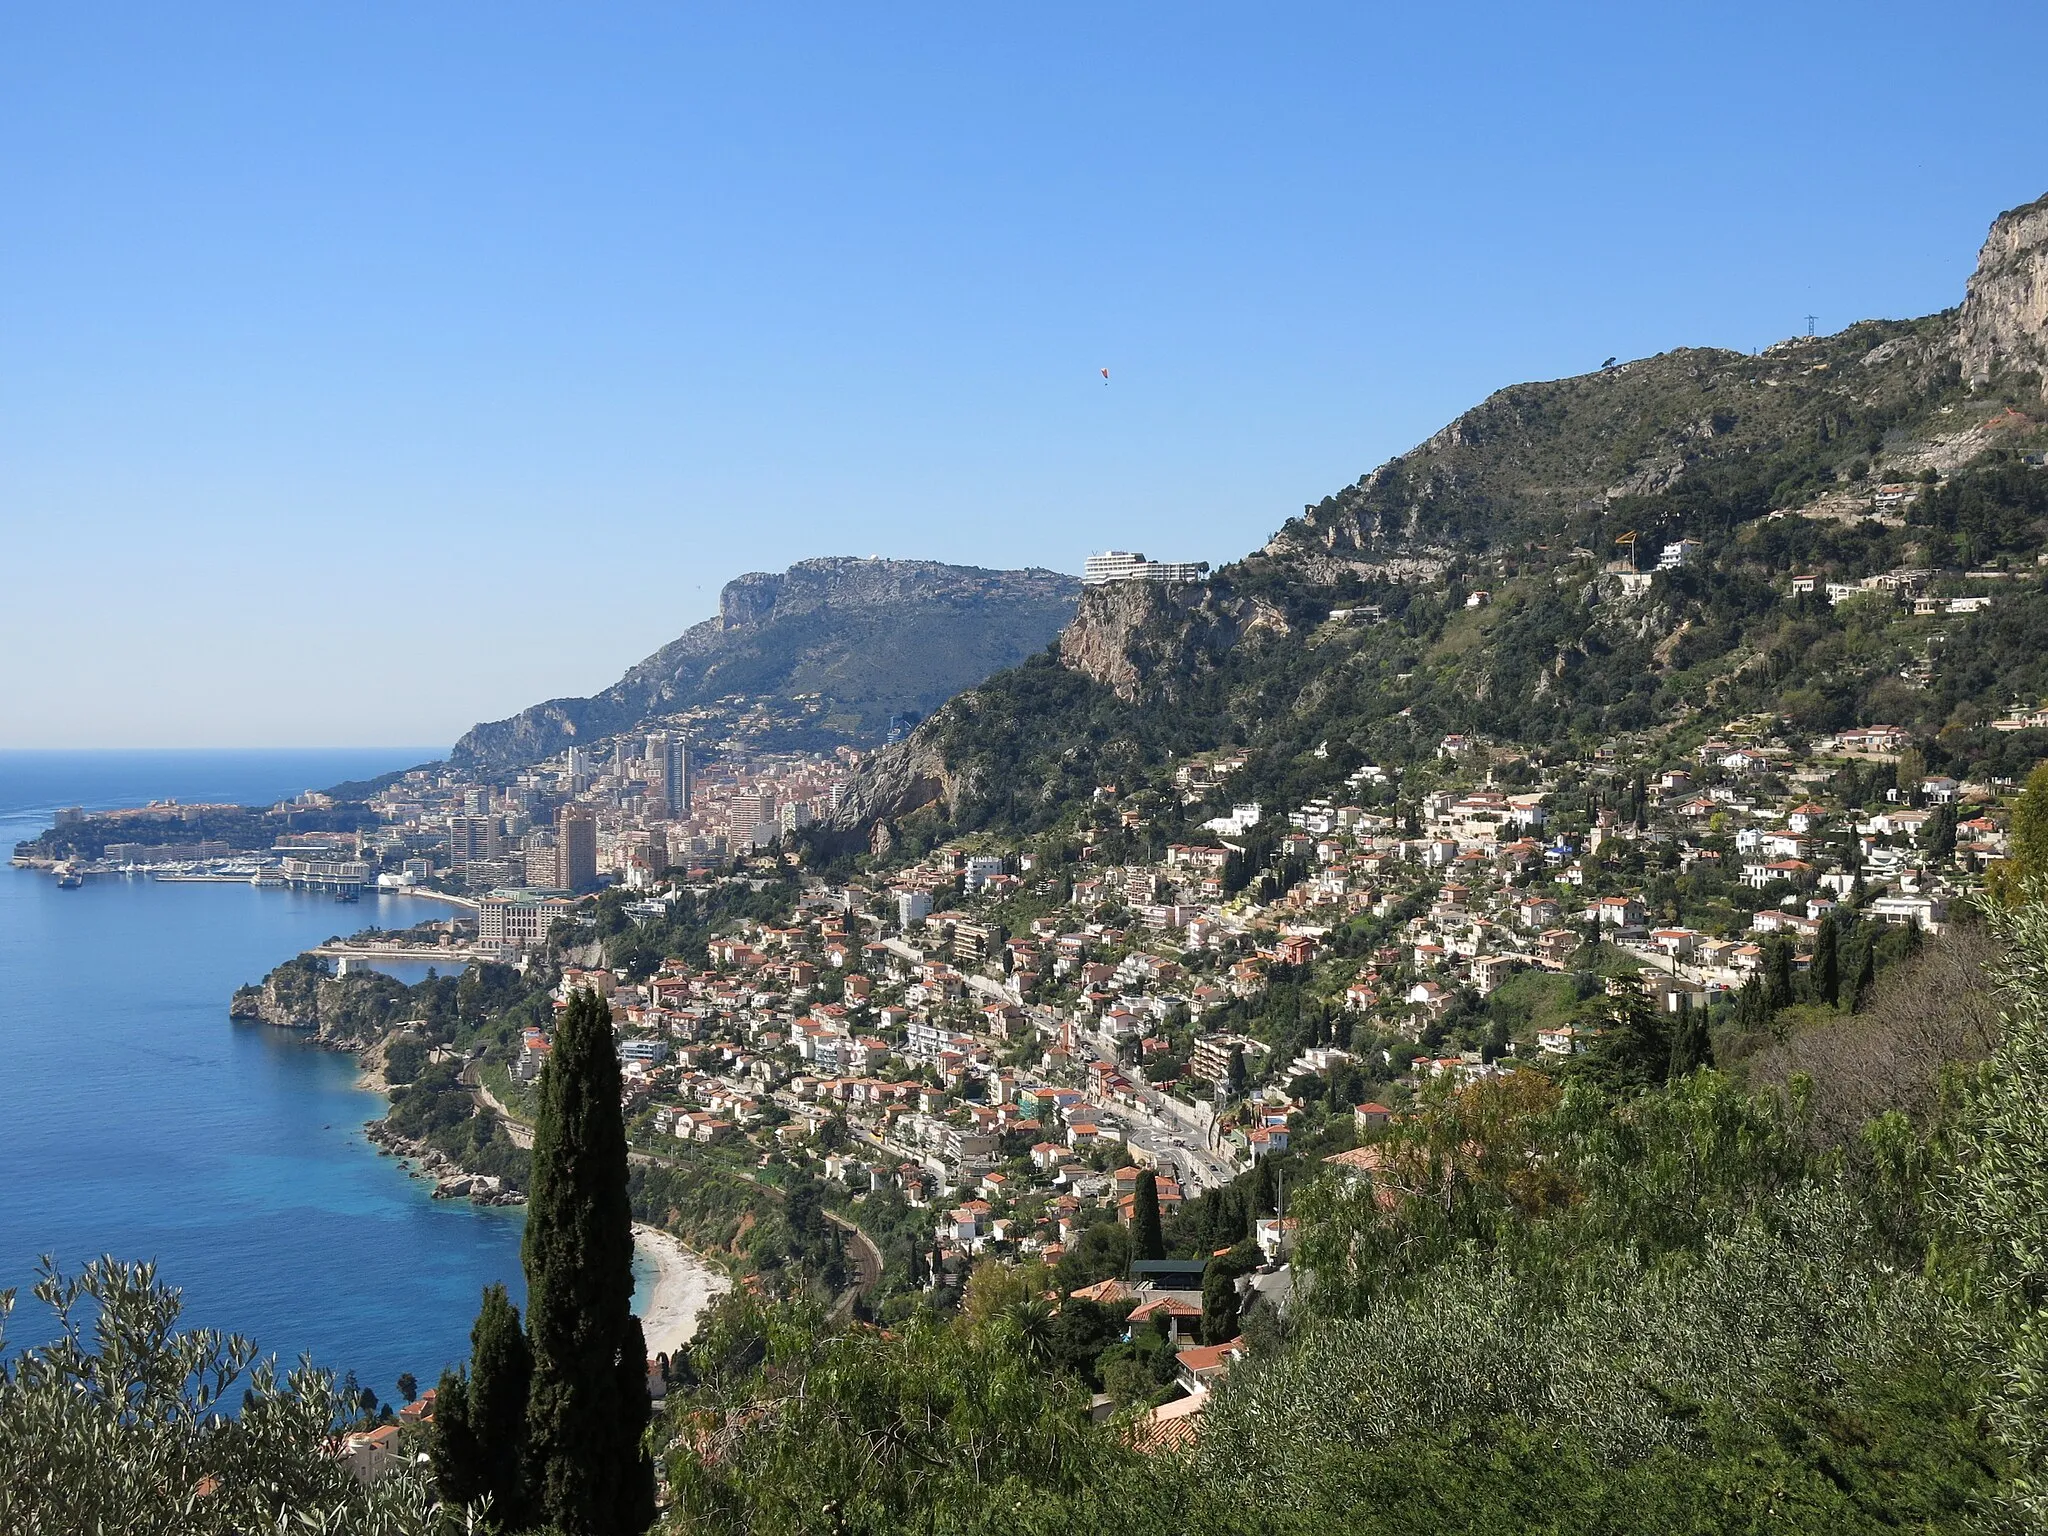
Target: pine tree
[(1827, 963), (1148, 1240), (588, 1471), (500, 1377), (1634, 1046)]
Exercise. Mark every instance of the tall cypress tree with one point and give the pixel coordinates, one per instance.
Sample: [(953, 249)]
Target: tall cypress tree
[(1778, 974), (588, 1471), (1752, 1008), (1691, 1048), (1148, 1240), (500, 1377), (1827, 963), (456, 1457), (1866, 973), (1941, 833)]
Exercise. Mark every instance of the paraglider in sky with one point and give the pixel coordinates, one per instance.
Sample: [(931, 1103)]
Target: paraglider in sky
[(1105, 377)]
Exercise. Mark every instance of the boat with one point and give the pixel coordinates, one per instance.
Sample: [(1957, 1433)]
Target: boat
[(69, 879)]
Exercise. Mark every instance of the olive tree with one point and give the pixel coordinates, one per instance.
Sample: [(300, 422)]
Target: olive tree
[(126, 1422)]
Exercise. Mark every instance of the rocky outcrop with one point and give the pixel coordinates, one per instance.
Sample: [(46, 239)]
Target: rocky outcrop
[(871, 639), (1105, 640), (344, 1011), (451, 1181), (895, 780), (1140, 640), (2003, 327)]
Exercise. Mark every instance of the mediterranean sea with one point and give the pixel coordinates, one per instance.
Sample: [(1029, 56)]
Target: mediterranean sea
[(138, 1120)]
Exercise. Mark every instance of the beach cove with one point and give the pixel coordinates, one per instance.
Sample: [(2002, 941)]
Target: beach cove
[(145, 1124)]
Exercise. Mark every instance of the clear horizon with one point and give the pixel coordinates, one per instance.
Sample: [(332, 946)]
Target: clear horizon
[(376, 373)]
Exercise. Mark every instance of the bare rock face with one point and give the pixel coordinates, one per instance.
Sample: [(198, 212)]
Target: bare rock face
[(895, 780), (2004, 321), (1103, 642)]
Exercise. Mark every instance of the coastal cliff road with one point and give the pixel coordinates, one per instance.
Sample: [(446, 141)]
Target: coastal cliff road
[(520, 1133)]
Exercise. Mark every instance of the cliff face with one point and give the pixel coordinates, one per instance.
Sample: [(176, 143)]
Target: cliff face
[(1148, 644), (895, 780), (840, 644), (1106, 640), (349, 1010), (1140, 638), (2004, 321)]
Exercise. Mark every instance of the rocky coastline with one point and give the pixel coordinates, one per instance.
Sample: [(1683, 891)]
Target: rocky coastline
[(450, 1180)]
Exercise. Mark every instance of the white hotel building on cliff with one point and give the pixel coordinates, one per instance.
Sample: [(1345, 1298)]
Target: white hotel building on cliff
[(1120, 565)]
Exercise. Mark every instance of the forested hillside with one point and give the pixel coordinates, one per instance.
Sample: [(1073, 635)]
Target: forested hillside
[(1502, 579)]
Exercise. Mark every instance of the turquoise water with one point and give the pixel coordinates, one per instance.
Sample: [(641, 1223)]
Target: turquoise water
[(138, 1120)]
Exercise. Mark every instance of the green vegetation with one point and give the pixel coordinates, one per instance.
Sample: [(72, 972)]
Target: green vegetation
[(480, 1416), (1527, 499), (638, 948), (586, 1469), (128, 1422), (1618, 1303), (438, 1109)]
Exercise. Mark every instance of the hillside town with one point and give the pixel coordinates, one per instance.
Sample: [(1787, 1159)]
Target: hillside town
[(1007, 1039), (1000, 1045)]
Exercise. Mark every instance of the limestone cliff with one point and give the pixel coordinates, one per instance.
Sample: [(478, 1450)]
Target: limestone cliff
[(1144, 639), (1107, 639), (895, 780), (2004, 322), (839, 645), (1145, 642)]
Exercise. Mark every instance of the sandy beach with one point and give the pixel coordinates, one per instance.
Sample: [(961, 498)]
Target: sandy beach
[(683, 1285)]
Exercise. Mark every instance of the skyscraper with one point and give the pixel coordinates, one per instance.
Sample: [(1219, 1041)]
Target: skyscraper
[(575, 848), (675, 773)]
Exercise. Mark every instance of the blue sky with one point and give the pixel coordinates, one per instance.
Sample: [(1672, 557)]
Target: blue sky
[(367, 370)]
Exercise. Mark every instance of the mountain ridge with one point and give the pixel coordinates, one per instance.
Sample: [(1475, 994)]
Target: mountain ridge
[(1478, 567), (850, 642)]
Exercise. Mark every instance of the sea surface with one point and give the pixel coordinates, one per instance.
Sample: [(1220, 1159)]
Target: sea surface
[(137, 1119)]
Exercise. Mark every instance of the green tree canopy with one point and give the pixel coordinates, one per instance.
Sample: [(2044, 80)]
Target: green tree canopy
[(588, 1409)]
